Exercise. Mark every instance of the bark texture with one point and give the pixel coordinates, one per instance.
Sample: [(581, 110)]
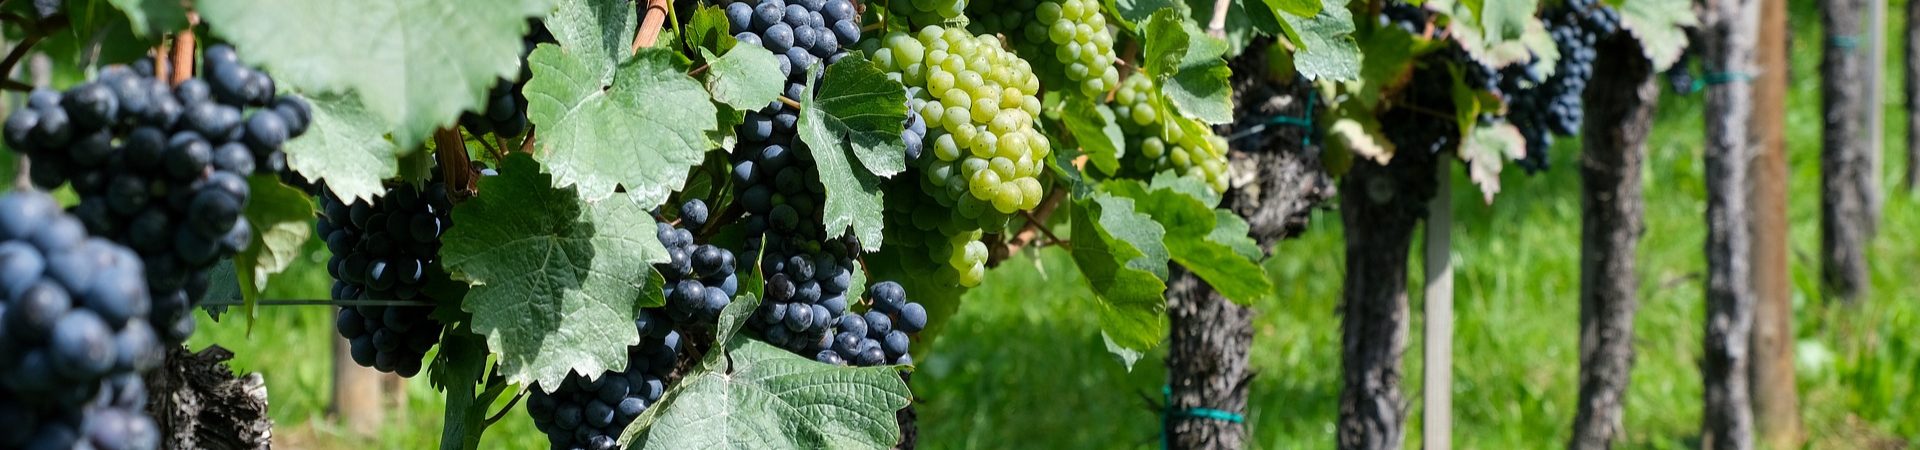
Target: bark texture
[(1277, 181), (199, 404), (1913, 95), (1776, 410), (1381, 206), (1729, 47), (1845, 187), (1619, 109)]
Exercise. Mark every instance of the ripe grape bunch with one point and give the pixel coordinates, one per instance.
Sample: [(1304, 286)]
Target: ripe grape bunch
[(590, 413), (1163, 141), (700, 278), (387, 249), (505, 114), (979, 103), (1555, 104), (162, 168), (74, 333), (1074, 32)]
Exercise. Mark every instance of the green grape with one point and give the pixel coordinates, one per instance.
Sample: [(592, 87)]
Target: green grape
[(1164, 140), (979, 102), (927, 12), (1073, 33)]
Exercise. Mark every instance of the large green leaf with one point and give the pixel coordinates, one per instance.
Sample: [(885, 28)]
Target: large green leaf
[(1186, 64), (346, 148), (153, 17), (746, 78), (707, 29), (853, 193), (415, 63), (751, 395), (598, 31), (1184, 207), (555, 280), (639, 124), (1097, 131), (1131, 14), (861, 110), (1327, 49), (1660, 25), (1120, 251), (282, 221)]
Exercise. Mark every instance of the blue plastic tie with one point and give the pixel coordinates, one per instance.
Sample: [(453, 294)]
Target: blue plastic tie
[(1166, 419), (1719, 78)]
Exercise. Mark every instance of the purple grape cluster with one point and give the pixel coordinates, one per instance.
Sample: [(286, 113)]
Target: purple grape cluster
[(505, 113), (700, 278), (74, 333), (590, 413), (387, 249), (162, 168)]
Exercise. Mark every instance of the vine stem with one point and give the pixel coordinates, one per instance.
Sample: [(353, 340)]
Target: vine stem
[(699, 70), (1036, 222), (790, 102), (451, 151), (183, 46), (650, 25), (526, 144), (40, 31), (502, 414)]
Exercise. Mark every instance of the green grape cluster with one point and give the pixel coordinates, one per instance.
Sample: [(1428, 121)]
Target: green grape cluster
[(1160, 140), (1074, 32), (979, 103), (927, 12)]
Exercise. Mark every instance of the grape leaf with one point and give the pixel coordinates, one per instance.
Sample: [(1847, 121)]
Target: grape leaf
[(1660, 25), (1184, 208), (1097, 131), (857, 100), (1505, 19), (757, 396), (1327, 49), (282, 221), (746, 78), (594, 30), (1302, 8), (1133, 13), (1119, 250), (555, 281), (708, 30), (753, 395), (153, 17), (1186, 63), (1486, 149), (1356, 131), (639, 124), (346, 148), (1518, 37), (415, 63), (853, 195)]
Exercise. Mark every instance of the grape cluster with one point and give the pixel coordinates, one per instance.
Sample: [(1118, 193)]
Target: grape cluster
[(387, 249), (701, 278), (1413, 18), (506, 109), (590, 413), (74, 333), (162, 168), (1554, 106), (979, 99), (1073, 32), (1166, 141), (1412, 129), (799, 33)]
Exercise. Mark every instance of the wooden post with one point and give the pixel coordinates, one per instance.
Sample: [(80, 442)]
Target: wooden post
[(357, 393), (1776, 409), (1436, 431)]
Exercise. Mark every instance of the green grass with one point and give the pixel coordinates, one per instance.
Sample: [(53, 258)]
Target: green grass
[(1023, 366)]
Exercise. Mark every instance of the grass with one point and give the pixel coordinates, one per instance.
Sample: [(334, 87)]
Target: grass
[(1023, 366)]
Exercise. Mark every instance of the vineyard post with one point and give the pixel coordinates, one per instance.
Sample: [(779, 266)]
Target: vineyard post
[(1436, 431), (1845, 206), (1775, 404), (1728, 50), (357, 393), (1876, 109), (1619, 110)]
